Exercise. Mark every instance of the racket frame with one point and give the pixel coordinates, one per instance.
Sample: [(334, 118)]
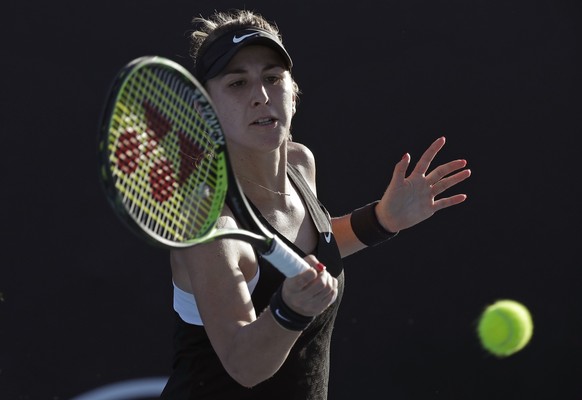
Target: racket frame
[(252, 230)]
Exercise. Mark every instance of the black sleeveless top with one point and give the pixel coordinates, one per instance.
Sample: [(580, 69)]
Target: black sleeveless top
[(197, 371)]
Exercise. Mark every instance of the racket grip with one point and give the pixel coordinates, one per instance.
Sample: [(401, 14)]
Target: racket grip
[(285, 259)]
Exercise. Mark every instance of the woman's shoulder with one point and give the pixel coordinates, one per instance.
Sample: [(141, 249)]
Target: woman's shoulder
[(302, 158)]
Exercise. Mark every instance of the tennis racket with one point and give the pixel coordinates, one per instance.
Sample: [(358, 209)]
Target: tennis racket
[(164, 164)]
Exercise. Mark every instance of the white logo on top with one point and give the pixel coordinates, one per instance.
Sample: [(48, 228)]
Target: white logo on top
[(327, 236)]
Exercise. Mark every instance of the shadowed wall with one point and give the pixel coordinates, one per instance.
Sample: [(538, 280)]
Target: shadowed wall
[(84, 303)]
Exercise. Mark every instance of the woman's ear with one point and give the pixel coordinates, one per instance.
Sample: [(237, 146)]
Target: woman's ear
[(295, 97)]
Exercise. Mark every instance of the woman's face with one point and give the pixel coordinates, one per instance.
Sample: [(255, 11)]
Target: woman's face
[(254, 99)]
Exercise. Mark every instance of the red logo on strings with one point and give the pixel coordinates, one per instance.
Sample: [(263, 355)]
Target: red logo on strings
[(162, 177)]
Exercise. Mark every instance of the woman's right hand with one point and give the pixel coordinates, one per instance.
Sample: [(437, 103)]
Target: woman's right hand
[(312, 291)]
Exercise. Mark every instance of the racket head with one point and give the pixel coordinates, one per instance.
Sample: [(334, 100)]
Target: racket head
[(162, 154)]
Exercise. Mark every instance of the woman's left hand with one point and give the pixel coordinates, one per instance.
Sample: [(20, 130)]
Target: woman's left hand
[(411, 199)]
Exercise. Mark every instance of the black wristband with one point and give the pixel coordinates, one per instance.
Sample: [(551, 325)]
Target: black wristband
[(366, 226), (285, 316)]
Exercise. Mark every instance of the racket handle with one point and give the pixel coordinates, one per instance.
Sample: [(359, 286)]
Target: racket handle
[(285, 259)]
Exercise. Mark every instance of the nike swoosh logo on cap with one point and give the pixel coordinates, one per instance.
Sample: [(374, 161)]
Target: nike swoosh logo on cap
[(236, 39)]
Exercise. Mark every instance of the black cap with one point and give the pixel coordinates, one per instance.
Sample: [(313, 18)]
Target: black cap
[(216, 52)]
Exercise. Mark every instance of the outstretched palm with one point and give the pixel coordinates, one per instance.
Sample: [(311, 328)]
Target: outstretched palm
[(411, 199)]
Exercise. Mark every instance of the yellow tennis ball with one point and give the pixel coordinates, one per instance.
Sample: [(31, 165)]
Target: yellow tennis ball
[(505, 327)]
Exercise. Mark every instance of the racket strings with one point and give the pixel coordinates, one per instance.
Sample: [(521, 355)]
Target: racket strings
[(190, 116), (168, 169)]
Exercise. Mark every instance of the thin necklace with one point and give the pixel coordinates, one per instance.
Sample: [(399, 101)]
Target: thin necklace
[(266, 188)]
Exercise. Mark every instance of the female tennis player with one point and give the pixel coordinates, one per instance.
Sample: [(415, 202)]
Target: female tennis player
[(244, 330)]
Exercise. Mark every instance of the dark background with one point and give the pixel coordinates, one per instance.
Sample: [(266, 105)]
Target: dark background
[(83, 303)]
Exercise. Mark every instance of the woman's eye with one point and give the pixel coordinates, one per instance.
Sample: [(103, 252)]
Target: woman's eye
[(236, 83), (273, 79)]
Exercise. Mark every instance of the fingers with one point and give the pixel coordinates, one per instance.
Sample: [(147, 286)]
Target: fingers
[(426, 159), (439, 178), (312, 291), (445, 183), (306, 277), (316, 281), (449, 201), (446, 169), (314, 262), (399, 173), (323, 288)]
